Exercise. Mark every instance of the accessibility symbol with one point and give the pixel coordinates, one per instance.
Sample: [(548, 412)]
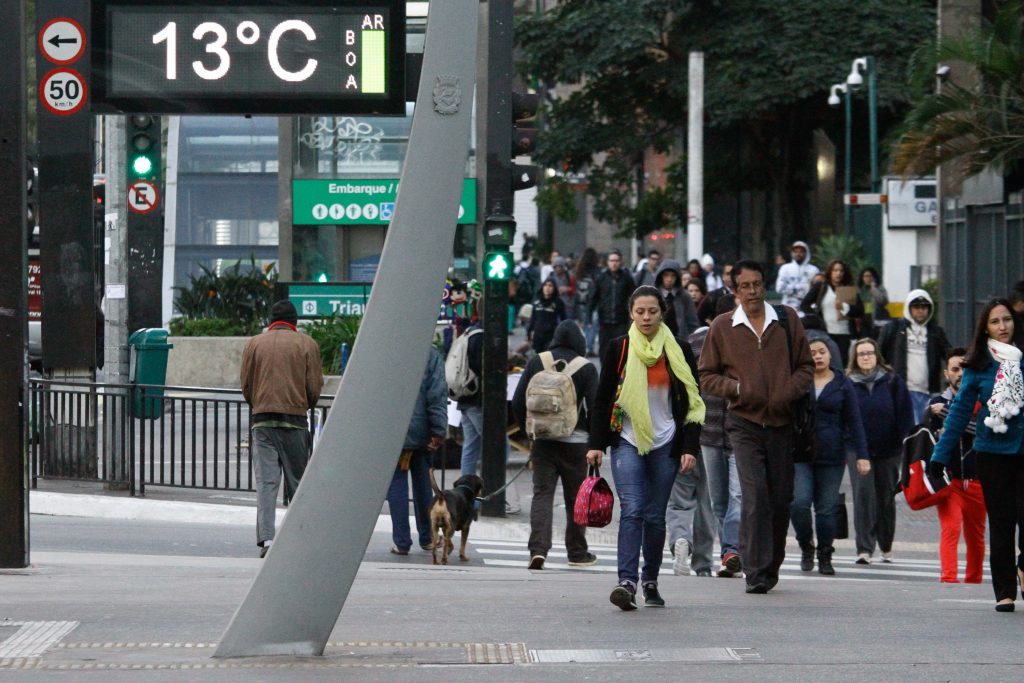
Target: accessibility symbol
[(387, 210), (143, 196)]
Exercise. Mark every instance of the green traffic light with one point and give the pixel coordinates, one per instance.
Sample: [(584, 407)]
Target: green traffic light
[(142, 165), (497, 266)]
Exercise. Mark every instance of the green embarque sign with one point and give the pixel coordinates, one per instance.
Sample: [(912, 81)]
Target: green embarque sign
[(360, 201)]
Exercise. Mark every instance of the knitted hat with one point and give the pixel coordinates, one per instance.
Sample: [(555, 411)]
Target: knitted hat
[(284, 311)]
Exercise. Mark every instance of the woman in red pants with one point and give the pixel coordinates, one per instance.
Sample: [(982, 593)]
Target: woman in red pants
[(964, 506)]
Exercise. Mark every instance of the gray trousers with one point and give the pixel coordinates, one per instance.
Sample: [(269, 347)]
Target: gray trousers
[(874, 503), (275, 449), (689, 515)]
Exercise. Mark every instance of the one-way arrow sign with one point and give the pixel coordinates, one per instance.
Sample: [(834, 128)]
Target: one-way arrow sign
[(56, 41), (62, 40)]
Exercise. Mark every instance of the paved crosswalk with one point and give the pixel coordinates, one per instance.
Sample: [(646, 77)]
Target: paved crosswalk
[(514, 554)]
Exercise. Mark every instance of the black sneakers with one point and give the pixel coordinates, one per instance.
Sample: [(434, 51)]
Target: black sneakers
[(589, 559), (624, 597), (536, 562), (652, 598)]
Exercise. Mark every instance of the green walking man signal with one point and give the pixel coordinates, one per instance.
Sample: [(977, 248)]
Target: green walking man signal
[(498, 265)]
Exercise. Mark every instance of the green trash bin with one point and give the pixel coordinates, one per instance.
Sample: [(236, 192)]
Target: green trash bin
[(148, 365)]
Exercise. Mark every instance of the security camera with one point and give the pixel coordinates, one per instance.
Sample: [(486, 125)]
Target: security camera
[(942, 72)]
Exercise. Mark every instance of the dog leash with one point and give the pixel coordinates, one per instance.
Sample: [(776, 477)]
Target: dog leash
[(507, 484)]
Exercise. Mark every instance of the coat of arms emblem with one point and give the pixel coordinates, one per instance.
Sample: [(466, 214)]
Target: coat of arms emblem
[(447, 94)]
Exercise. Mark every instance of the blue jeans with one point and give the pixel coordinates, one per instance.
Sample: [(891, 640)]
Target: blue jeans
[(644, 483), (919, 399), (422, 495), (590, 330), (817, 484), (472, 434), (724, 482)]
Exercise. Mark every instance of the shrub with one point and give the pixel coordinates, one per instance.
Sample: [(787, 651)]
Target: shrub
[(244, 296), (207, 327), (330, 334)]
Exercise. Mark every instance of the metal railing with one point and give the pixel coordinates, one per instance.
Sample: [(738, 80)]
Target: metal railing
[(143, 435)]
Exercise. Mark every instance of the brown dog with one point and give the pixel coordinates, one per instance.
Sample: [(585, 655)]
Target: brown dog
[(453, 510)]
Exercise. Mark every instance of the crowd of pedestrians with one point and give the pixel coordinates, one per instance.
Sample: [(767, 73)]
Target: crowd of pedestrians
[(700, 384)]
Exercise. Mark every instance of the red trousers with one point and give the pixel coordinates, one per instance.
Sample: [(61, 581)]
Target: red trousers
[(963, 507)]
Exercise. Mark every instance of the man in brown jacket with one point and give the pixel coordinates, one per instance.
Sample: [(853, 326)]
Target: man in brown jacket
[(746, 359), (281, 381)]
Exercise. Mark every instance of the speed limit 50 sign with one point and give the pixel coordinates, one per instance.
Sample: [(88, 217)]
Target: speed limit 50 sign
[(63, 91)]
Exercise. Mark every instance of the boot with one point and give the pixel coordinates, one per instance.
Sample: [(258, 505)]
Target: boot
[(806, 557), (825, 560)]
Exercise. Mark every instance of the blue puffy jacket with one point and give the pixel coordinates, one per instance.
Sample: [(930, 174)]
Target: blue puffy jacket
[(430, 414), (837, 423), (977, 386)]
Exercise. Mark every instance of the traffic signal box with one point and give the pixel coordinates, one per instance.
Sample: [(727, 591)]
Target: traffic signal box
[(524, 138), (498, 265), (31, 203), (143, 147)]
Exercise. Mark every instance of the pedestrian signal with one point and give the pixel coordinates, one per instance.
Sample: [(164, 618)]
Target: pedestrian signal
[(498, 265)]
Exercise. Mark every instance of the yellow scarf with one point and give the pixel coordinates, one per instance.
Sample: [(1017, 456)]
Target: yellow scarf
[(633, 398)]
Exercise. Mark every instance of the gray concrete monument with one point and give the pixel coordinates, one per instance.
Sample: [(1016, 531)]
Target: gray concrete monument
[(296, 598)]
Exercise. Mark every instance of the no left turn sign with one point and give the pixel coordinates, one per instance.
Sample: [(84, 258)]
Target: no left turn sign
[(142, 196), (62, 40), (63, 91)]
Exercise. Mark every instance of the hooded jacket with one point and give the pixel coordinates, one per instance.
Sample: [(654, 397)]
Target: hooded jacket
[(837, 423), (567, 344), (681, 317), (893, 342), (794, 279)]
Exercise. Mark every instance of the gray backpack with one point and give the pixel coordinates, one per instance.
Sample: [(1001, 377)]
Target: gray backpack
[(551, 411)]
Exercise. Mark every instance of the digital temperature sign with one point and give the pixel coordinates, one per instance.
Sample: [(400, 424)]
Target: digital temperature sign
[(247, 57)]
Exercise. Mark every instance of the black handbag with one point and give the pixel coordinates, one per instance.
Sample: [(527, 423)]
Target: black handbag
[(803, 407), (842, 520)]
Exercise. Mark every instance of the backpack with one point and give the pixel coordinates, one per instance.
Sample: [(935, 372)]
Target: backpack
[(462, 381), (551, 411), (584, 290), (803, 407)]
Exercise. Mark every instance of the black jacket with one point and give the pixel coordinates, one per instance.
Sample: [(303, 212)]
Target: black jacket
[(611, 297), (567, 344), (475, 360), (893, 342), (687, 438), (963, 463)]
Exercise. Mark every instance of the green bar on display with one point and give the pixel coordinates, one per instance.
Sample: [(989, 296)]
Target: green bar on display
[(374, 62)]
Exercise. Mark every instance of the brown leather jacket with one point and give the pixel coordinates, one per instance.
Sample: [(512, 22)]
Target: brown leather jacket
[(281, 372), (733, 358)]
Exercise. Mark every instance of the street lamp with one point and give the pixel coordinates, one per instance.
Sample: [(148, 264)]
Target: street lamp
[(855, 80), (833, 101)]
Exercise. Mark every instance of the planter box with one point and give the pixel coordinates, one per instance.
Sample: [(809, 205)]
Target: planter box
[(205, 361)]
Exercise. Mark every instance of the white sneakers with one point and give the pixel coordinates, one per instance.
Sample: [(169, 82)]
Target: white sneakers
[(681, 560), (863, 558)]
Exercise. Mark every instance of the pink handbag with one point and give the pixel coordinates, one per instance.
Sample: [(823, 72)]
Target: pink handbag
[(594, 501)]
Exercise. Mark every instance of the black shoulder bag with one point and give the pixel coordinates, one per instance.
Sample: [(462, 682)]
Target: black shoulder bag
[(803, 407)]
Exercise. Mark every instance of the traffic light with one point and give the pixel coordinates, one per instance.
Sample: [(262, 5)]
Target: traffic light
[(499, 230), (524, 138), (31, 203), (498, 265), (143, 146), (99, 203)]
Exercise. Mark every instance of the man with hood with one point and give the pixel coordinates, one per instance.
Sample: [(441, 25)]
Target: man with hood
[(681, 316), (794, 279), (564, 458), (916, 347)]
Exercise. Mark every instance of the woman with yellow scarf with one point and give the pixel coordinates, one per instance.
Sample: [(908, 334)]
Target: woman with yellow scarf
[(649, 411)]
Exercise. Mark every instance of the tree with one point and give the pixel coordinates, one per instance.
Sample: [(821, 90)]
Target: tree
[(768, 68), (980, 123)]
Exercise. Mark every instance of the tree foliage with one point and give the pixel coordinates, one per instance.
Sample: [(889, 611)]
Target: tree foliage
[(768, 65), (980, 122)]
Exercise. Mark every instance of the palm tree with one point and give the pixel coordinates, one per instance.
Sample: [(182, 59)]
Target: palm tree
[(977, 124)]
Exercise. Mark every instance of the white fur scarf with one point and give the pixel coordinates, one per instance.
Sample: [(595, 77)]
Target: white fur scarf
[(1008, 393)]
